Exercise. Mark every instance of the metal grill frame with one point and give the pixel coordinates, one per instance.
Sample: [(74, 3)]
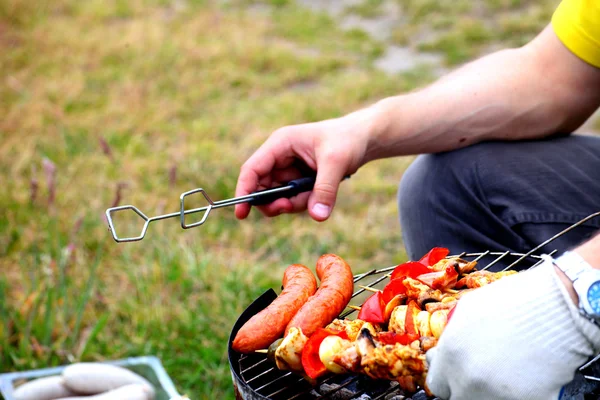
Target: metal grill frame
[(299, 388)]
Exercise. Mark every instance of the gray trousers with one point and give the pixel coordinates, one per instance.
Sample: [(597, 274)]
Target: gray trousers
[(501, 196)]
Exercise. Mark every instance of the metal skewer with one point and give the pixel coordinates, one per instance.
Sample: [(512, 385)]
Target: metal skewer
[(260, 197)]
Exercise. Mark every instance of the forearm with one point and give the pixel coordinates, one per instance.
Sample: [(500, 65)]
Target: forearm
[(489, 99), (513, 94)]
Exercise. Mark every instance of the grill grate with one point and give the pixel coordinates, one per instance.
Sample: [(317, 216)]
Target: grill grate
[(268, 382)]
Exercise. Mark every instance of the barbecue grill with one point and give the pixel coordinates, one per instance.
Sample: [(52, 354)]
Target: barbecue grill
[(256, 378)]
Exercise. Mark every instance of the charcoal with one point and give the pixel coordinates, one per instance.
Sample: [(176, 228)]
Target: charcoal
[(394, 397), (327, 387), (339, 394), (364, 397), (420, 395)]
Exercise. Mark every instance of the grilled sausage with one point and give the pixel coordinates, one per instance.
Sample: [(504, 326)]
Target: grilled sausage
[(332, 297), (261, 330)]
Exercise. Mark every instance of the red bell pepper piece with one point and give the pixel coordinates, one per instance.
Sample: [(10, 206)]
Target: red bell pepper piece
[(434, 256), (311, 362), (395, 287), (373, 310), (411, 312), (410, 269), (440, 279), (393, 338)]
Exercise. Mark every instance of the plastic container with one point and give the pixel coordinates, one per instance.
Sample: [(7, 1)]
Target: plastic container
[(149, 367)]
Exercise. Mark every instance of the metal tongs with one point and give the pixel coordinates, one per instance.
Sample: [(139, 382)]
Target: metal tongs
[(261, 197)]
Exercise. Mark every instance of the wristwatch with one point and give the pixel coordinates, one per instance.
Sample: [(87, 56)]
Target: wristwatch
[(586, 282)]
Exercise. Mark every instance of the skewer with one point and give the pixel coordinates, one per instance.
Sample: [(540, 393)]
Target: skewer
[(357, 308), (370, 289), (263, 351)]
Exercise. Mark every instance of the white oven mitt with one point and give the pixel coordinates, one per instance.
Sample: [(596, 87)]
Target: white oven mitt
[(518, 338)]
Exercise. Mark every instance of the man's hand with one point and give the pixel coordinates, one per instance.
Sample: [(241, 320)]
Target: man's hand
[(333, 148), (519, 338)]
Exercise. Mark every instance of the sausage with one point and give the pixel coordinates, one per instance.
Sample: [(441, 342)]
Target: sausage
[(94, 378), (261, 330), (337, 284), (133, 391), (48, 388)]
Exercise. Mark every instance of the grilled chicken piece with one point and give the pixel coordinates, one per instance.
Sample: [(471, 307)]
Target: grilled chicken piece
[(441, 280), (444, 305), (381, 362), (461, 293), (351, 353), (348, 357), (422, 293), (461, 266), (407, 383), (288, 356), (478, 279), (352, 327), (427, 342), (393, 361), (405, 364), (410, 383)]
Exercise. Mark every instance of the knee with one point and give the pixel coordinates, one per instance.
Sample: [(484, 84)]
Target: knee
[(411, 185), (432, 178)]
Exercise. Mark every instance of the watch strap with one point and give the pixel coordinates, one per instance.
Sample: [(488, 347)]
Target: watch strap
[(572, 264)]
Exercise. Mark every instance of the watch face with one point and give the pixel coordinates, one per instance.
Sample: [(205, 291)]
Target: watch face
[(593, 296)]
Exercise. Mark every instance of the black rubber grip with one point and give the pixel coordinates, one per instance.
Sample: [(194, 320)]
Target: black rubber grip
[(298, 186)]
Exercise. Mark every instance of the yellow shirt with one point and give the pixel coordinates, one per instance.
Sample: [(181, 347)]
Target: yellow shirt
[(577, 24)]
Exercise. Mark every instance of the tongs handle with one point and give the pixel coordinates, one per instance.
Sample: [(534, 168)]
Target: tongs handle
[(294, 188), (297, 186)]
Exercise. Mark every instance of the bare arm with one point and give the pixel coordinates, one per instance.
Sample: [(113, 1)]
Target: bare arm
[(530, 92)]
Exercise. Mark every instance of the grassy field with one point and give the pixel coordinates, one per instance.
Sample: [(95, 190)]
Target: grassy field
[(133, 102)]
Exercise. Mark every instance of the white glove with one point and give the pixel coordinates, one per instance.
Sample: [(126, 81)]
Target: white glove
[(518, 338)]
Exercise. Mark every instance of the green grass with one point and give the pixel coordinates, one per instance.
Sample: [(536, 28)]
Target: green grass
[(196, 90), (160, 98), (462, 30), (367, 9)]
